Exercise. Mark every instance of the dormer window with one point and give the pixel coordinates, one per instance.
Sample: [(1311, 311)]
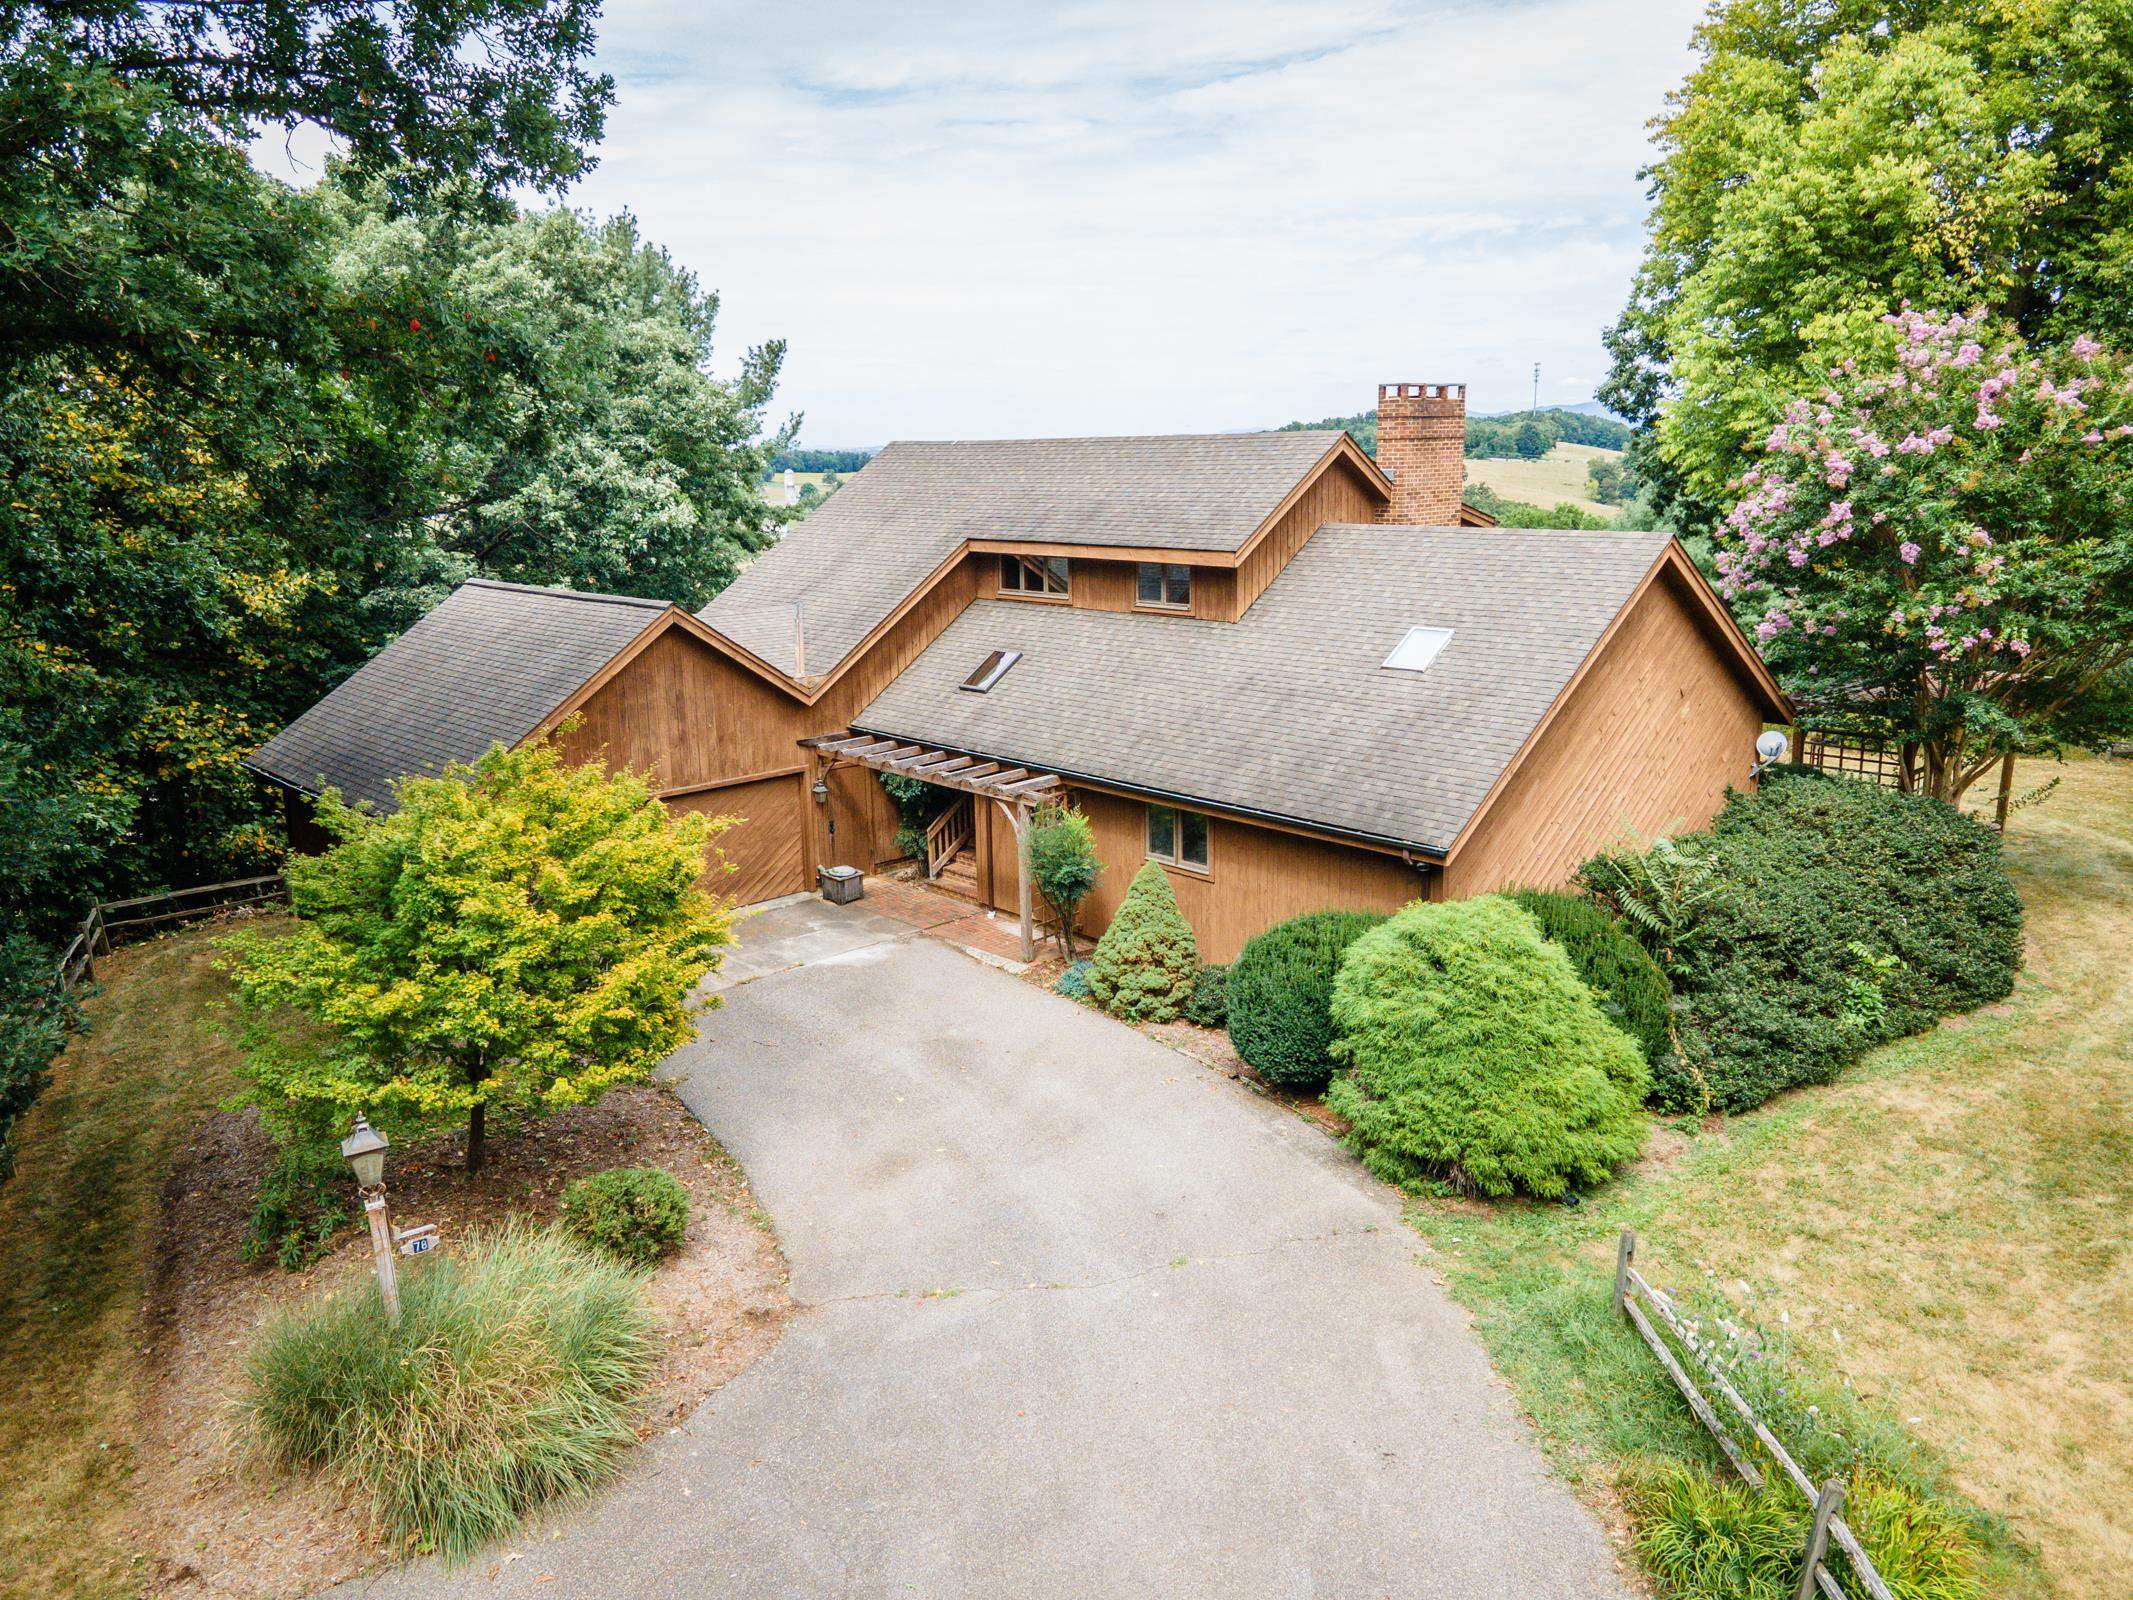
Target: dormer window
[(1162, 586), (1041, 576)]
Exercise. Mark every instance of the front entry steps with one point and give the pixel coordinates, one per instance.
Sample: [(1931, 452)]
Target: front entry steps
[(959, 875)]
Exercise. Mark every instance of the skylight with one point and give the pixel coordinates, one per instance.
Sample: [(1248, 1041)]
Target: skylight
[(1418, 649), (990, 671)]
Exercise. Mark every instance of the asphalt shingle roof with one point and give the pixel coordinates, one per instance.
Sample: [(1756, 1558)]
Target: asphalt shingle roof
[(1288, 712), (856, 558), (483, 668)]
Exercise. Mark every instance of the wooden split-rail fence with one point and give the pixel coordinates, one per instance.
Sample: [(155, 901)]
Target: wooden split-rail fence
[(1637, 1300), (114, 921)]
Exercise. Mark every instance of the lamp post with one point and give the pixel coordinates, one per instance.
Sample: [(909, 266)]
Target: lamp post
[(364, 1150)]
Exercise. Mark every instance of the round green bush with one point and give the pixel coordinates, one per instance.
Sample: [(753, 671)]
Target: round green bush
[(1477, 1057), (636, 1214), (512, 1378), (1280, 986), (1145, 963), (1209, 1005), (1616, 968)]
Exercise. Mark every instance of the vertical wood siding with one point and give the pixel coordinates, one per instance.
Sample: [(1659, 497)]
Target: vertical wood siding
[(1647, 742), (1340, 494)]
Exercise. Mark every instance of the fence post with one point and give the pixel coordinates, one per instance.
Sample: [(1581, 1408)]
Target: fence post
[(1827, 1504), (1625, 1253)]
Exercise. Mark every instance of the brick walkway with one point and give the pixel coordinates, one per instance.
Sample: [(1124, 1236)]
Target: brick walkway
[(946, 916)]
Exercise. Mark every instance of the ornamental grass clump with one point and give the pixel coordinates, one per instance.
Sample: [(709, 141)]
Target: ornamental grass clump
[(1477, 1057), (1147, 960), (1280, 991), (512, 1379)]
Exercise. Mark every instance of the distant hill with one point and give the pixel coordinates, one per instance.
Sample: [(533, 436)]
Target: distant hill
[(1526, 434)]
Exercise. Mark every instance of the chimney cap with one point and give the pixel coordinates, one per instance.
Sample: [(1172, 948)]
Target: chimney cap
[(1421, 391)]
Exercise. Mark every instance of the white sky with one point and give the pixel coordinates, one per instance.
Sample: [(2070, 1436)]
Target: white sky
[(1110, 217)]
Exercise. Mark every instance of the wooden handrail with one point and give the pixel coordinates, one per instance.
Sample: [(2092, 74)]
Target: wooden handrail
[(947, 834)]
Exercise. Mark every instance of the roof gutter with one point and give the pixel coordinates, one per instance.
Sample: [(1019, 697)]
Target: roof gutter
[(1409, 849)]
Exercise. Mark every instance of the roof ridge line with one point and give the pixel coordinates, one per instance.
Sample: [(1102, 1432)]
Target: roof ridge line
[(557, 593)]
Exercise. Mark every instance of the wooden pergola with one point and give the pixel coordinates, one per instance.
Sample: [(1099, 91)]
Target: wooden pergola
[(1017, 791)]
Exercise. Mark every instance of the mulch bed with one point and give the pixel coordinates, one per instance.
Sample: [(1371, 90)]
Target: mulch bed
[(225, 1522)]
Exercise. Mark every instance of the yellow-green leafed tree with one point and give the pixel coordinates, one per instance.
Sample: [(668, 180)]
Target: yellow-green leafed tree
[(515, 936)]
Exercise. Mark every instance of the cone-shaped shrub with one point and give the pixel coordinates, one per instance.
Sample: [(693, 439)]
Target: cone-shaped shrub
[(1147, 959), (1280, 991), (1479, 1057), (1618, 970)]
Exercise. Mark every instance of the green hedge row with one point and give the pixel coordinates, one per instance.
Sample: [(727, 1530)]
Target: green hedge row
[(1825, 916)]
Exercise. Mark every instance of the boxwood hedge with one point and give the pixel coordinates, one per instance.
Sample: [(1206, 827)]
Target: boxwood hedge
[(1841, 915), (1279, 988)]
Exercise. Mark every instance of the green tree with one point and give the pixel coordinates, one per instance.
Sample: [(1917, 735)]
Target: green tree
[(1604, 473), (1531, 441), (1063, 864), (1943, 541), (1824, 163), (518, 936)]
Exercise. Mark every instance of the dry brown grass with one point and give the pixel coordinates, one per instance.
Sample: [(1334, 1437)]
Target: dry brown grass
[(1949, 1226), (1946, 1229), (79, 1215)]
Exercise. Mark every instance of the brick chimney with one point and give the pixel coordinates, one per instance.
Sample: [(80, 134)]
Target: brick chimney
[(1422, 448)]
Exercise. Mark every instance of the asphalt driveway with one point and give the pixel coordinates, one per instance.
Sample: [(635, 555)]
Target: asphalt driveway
[(1080, 1318)]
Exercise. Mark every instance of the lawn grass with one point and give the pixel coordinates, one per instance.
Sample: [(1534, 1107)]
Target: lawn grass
[(1944, 1229), (1558, 476), (80, 1214)]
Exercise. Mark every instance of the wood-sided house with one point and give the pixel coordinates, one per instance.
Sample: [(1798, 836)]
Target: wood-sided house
[(1294, 678)]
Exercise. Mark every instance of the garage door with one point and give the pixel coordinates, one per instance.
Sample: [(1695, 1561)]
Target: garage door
[(764, 845)]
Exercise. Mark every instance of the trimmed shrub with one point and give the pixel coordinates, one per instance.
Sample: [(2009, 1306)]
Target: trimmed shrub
[(1074, 981), (1280, 987), (1146, 961), (511, 1379), (1209, 1005), (302, 1203), (1478, 1057), (1842, 915), (1618, 970), (636, 1214)]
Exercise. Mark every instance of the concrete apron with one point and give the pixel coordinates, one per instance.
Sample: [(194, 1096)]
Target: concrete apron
[(1081, 1318)]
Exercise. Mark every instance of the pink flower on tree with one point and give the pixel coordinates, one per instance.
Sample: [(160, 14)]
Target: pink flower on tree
[(1909, 551)]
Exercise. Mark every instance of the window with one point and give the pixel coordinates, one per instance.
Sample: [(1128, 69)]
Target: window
[(1418, 649), (1045, 575), (990, 671), (1163, 584), (1177, 838)]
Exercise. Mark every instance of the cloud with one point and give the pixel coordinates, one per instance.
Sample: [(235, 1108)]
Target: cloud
[(979, 220)]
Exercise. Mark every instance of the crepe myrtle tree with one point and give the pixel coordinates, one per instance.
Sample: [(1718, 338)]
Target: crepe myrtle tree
[(516, 936), (1942, 539)]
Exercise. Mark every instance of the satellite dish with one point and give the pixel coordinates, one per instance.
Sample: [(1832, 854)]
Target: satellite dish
[(1770, 745)]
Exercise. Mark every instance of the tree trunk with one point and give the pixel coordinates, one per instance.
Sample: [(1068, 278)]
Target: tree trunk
[(477, 1118)]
